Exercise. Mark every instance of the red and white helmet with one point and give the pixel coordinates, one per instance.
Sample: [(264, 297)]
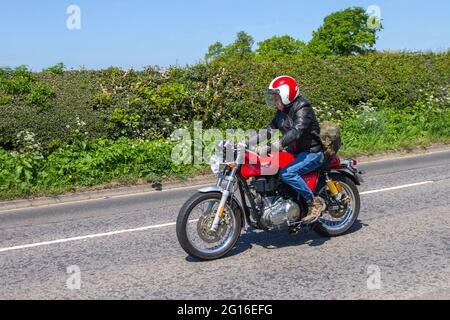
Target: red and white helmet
[(284, 86)]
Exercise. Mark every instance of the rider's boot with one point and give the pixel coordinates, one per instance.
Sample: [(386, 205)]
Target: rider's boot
[(315, 209)]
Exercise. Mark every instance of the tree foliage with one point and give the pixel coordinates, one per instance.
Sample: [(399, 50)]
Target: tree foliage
[(344, 32), (241, 48), (279, 48)]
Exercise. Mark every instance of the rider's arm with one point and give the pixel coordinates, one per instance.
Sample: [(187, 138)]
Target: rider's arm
[(302, 120), (256, 139)]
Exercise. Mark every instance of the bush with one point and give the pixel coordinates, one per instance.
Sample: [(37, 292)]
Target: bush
[(63, 130), (56, 69), (18, 172), (395, 129), (50, 104), (86, 164), (152, 103)]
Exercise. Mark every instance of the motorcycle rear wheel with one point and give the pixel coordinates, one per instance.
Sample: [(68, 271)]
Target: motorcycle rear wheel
[(336, 227)]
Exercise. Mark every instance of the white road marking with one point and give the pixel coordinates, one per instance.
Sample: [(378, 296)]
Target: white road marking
[(403, 157), (398, 187), (98, 235)]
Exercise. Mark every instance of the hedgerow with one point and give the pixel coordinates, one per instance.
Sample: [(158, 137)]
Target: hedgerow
[(102, 161), (65, 130), (152, 103), (88, 163)]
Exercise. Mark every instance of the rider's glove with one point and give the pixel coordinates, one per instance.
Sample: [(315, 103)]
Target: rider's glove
[(273, 147)]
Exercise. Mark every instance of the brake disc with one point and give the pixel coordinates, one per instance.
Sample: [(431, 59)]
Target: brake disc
[(204, 228), (342, 204), (337, 214)]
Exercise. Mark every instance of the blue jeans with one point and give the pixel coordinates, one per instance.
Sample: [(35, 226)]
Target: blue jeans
[(305, 162)]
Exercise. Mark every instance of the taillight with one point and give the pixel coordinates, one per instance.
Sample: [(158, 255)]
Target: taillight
[(354, 162)]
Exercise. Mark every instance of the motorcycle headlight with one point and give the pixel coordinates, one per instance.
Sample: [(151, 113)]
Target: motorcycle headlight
[(215, 162)]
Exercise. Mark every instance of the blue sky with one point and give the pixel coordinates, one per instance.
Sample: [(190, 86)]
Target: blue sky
[(137, 33)]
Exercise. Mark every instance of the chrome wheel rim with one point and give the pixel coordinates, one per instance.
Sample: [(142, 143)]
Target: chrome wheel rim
[(200, 220), (336, 224)]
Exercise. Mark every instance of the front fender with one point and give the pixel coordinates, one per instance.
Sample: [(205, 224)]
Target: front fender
[(210, 189)]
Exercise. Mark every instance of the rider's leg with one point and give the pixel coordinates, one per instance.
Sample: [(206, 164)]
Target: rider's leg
[(305, 162)]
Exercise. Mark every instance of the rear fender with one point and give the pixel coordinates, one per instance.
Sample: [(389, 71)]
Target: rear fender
[(354, 176)]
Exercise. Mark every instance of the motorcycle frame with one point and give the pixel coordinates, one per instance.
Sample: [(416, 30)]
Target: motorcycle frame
[(232, 175)]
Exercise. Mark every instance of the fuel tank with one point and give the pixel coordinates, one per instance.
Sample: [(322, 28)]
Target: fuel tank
[(256, 166)]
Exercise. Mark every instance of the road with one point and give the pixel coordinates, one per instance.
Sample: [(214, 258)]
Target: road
[(126, 248)]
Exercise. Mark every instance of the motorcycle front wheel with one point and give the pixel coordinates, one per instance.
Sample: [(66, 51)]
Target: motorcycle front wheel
[(195, 220)]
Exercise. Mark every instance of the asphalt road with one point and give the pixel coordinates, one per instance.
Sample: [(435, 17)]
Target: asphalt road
[(126, 248)]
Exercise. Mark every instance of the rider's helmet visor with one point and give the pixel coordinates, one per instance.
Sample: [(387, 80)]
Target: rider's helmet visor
[(273, 98)]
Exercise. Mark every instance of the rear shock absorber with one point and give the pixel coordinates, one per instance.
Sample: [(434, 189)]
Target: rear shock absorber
[(336, 190)]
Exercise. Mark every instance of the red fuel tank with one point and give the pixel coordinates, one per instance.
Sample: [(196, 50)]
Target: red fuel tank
[(256, 166)]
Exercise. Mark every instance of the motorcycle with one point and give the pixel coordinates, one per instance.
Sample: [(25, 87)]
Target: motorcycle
[(249, 191)]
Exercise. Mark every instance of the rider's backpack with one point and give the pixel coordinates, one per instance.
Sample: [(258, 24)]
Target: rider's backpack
[(330, 135)]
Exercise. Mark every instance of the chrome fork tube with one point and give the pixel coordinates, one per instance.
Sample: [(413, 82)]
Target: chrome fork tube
[(225, 194), (218, 184)]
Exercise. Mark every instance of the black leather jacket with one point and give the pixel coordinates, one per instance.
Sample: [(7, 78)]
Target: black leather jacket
[(299, 126)]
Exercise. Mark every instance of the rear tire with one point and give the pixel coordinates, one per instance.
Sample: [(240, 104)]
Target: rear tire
[(327, 231), (183, 218)]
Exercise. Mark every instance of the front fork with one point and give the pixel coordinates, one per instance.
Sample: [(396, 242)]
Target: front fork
[(225, 194)]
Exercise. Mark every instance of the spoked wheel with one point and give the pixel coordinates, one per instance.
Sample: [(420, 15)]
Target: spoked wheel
[(339, 215), (195, 220)]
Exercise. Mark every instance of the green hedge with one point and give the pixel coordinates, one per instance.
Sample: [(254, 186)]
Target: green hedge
[(88, 163), (64, 130), (61, 107)]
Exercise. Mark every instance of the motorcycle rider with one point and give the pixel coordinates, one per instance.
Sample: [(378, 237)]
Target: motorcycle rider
[(297, 121)]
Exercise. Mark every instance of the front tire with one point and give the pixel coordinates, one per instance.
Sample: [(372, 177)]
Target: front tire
[(331, 228), (185, 221)]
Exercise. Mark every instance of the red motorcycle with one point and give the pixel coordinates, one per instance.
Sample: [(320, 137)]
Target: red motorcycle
[(249, 190)]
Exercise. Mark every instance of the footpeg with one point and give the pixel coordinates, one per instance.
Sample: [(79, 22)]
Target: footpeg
[(301, 227)]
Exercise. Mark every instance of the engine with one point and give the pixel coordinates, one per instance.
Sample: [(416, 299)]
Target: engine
[(279, 212)]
